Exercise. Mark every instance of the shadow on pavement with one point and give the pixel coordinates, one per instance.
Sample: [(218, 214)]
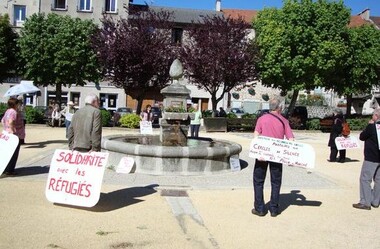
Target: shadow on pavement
[(294, 198), (118, 199), (33, 170), (43, 144)]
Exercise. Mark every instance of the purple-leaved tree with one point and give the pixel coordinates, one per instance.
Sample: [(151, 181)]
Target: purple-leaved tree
[(136, 53), (219, 55)]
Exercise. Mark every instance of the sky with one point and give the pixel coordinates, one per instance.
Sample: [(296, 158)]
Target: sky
[(356, 6)]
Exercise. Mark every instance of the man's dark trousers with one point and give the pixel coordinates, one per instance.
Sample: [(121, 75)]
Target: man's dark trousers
[(259, 174)]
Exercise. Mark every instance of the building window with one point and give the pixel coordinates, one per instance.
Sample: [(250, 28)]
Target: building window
[(59, 5), (108, 101), (177, 36), (110, 6), (85, 5), (19, 15)]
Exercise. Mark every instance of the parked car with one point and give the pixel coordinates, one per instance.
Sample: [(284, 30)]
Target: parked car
[(261, 112), (156, 114), (121, 111), (298, 118), (237, 111)]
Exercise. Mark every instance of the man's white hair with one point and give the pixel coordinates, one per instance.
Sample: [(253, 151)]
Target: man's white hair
[(90, 99)]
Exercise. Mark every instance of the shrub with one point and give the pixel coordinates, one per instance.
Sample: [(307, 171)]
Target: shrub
[(33, 116), (248, 115), (130, 121), (207, 113), (313, 124), (358, 124), (3, 108), (231, 115), (106, 117)]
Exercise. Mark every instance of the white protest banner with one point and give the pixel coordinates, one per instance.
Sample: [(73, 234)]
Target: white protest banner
[(125, 165), (76, 178), (235, 163), (343, 143), (282, 151), (146, 127), (378, 134), (8, 144)]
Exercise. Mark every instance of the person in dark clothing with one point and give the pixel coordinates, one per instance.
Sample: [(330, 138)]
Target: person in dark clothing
[(336, 131), (371, 164), (222, 112)]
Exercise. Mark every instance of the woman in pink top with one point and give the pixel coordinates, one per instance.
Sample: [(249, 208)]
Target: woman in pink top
[(13, 123)]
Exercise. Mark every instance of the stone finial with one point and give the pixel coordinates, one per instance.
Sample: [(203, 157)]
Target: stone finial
[(176, 69)]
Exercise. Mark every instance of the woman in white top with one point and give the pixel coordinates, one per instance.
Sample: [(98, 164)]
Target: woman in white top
[(195, 124), (68, 112)]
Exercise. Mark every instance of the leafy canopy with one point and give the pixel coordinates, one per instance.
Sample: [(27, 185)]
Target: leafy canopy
[(302, 45), (8, 48), (136, 53), (57, 50), (219, 56)]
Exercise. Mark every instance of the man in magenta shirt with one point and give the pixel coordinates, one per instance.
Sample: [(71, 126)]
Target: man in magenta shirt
[(272, 124)]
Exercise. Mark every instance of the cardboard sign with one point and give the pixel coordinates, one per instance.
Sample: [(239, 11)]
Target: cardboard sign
[(235, 163), (8, 145), (76, 178), (125, 165), (378, 134), (146, 127), (282, 151), (344, 143)]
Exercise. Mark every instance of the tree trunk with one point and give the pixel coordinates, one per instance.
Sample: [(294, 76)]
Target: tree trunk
[(292, 103), (214, 103), (140, 100), (349, 104), (58, 94)]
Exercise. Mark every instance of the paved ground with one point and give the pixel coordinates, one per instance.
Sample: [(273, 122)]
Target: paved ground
[(142, 211)]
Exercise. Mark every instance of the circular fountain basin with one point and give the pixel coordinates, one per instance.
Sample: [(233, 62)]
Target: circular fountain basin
[(199, 157)]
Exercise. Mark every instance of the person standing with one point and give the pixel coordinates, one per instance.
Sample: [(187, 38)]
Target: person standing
[(21, 112), (274, 125), (195, 123), (56, 116), (68, 112), (336, 131), (13, 123), (146, 115), (371, 164), (85, 131)]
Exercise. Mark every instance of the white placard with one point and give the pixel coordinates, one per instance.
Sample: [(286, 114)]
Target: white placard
[(283, 151), (8, 145), (344, 143), (146, 127), (235, 163), (125, 165), (378, 134), (76, 178), (69, 116)]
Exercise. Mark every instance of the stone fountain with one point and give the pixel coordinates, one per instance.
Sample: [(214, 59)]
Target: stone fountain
[(172, 152)]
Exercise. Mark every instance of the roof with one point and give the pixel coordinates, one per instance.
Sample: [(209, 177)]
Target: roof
[(180, 15), (376, 20), (247, 15), (357, 21)]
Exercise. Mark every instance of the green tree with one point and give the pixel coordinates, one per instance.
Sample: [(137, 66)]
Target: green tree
[(302, 45), (362, 67), (8, 48), (57, 51)]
